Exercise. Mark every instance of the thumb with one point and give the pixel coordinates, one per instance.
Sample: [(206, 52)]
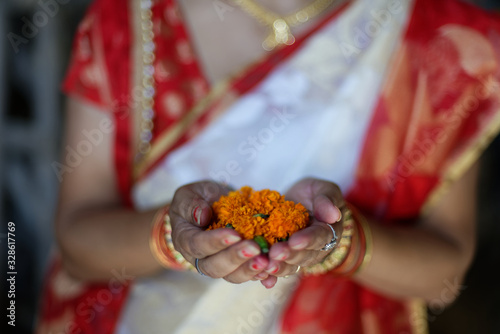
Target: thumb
[(193, 202), (325, 211)]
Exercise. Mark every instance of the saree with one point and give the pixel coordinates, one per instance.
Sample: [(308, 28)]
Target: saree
[(392, 100)]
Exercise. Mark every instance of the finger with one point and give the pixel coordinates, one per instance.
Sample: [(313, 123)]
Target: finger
[(229, 260), (325, 211), (261, 276), (274, 267), (313, 237), (193, 202), (193, 243), (305, 190), (322, 198), (269, 282), (282, 253), (281, 269), (305, 258), (248, 270)]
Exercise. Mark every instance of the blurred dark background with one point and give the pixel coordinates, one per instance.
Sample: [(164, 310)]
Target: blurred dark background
[(33, 59)]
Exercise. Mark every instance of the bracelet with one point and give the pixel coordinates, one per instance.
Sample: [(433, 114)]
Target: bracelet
[(161, 245), (157, 243), (360, 252), (178, 257), (354, 250), (354, 258), (340, 252), (364, 227)]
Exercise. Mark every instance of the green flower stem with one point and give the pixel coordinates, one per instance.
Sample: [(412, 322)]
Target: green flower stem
[(261, 241)]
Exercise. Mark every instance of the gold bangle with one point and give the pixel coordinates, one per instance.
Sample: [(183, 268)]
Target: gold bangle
[(340, 252), (179, 258), (161, 244)]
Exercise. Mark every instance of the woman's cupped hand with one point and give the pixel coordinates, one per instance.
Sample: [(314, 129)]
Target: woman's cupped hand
[(222, 253)]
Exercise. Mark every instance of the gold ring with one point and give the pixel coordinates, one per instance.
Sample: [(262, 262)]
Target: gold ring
[(296, 271)]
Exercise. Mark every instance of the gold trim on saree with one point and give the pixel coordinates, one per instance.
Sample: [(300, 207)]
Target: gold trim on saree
[(418, 316), (137, 61), (467, 158), (169, 137)]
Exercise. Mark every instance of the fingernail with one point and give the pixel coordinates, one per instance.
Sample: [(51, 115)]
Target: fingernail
[(232, 239), (298, 246), (197, 215), (256, 266), (281, 256), (249, 252), (340, 215), (273, 270)]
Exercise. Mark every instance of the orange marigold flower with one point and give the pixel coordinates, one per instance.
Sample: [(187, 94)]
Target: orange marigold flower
[(263, 213)]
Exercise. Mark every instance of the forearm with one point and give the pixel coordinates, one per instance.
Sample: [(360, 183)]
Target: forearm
[(426, 260), (93, 244), (414, 262)]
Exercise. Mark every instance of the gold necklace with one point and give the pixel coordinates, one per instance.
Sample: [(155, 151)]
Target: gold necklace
[(279, 26)]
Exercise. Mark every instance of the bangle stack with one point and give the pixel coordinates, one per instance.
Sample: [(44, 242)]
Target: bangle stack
[(161, 244), (353, 251)]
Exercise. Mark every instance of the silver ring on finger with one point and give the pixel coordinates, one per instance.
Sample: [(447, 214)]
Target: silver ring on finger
[(329, 246), (197, 265)]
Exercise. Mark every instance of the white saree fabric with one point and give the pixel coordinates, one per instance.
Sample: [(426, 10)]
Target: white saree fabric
[(308, 117)]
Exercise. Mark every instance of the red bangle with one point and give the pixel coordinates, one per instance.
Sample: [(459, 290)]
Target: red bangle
[(357, 255)]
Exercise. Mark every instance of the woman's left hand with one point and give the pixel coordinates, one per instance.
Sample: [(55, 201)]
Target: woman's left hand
[(324, 201)]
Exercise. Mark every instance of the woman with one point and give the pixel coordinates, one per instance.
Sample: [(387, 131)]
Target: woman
[(384, 104)]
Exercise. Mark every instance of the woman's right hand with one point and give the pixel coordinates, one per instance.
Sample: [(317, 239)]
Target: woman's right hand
[(221, 252)]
